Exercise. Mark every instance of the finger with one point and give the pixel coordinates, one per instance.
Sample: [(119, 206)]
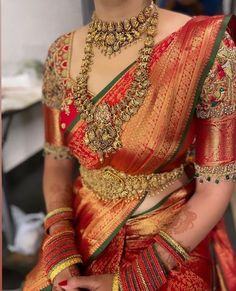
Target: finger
[(86, 282)]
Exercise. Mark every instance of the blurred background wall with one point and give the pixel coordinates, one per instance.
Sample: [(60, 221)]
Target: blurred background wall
[(28, 28)]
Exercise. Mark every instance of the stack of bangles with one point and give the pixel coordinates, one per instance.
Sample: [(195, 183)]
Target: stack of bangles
[(59, 248), (148, 271)]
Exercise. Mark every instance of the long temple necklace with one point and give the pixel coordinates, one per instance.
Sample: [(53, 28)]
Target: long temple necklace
[(104, 122)]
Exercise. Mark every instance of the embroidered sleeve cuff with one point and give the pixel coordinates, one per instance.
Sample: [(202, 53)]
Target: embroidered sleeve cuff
[(58, 152), (216, 174), (218, 95)]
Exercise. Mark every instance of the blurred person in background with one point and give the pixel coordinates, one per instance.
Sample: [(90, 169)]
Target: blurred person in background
[(144, 99), (194, 7)]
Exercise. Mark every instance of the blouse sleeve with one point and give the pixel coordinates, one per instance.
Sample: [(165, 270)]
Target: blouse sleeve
[(216, 118), (53, 93)]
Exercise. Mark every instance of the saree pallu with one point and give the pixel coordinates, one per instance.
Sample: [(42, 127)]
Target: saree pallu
[(157, 139)]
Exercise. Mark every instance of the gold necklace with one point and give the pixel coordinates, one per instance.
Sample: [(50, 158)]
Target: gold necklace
[(104, 122), (111, 37)]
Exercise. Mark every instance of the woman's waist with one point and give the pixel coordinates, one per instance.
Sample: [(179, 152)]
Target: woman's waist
[(173, 193)]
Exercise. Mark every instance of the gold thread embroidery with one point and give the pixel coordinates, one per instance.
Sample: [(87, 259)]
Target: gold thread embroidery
[(217, 173), (219, 92), (57, 85), (58, 152), (52, 90)]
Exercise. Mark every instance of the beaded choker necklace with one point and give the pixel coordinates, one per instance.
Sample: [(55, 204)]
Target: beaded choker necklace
[(104, 122)]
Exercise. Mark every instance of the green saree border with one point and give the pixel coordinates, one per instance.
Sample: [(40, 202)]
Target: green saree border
[(160, 203), (110, 238), (207, 69), (97, 97), (156, 206)]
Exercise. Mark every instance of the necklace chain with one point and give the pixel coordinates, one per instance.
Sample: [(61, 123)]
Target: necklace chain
[(104, 122)]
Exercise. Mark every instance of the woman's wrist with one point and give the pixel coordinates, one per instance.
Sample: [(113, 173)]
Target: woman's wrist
[(57, 216), (60, 250)]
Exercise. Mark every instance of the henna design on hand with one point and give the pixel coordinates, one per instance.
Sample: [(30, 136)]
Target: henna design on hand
[(74, 272), (184, 221), (167, 259)]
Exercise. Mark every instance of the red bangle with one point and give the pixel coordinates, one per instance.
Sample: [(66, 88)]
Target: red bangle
[(59, 252), (57, 217)]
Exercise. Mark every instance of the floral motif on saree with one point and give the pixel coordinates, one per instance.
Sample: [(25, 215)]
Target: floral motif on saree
[(177, 110)]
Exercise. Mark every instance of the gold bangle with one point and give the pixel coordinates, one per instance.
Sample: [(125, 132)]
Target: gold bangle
[(174, 244), (63, 265), (58, 210), (115, 282)]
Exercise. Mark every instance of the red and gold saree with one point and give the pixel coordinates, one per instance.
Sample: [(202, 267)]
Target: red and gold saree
[(190, 107)]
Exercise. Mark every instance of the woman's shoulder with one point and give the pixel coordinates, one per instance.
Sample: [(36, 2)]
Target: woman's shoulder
[(171, 21), (63, 42), (176, 18)]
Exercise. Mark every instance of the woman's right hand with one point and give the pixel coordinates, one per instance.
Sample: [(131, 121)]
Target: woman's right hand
[(66, 274), (69, 272)]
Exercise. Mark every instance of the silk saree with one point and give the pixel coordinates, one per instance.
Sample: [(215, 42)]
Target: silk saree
[(188, 117)]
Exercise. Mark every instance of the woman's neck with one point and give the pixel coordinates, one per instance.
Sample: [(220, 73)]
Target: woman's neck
[(115, 10)]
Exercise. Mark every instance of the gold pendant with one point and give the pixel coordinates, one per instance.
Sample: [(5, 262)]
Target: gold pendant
[(102, 135)]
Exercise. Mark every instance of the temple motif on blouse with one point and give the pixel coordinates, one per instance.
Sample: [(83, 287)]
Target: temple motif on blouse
[(56, 74), (56, 91), (218, 96)]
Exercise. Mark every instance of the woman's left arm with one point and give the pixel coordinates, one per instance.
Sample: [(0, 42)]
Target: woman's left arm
[(215, 152), (202, 212)]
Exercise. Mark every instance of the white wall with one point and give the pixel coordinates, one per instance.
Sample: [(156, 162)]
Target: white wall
[(227, 6), (28, 28)]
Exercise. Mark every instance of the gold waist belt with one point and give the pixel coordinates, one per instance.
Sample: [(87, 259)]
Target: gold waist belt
[(109, 184)]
